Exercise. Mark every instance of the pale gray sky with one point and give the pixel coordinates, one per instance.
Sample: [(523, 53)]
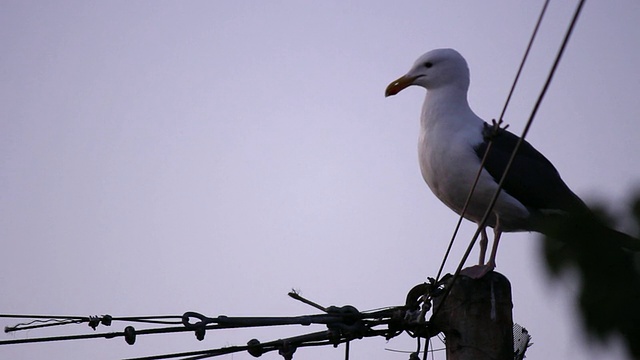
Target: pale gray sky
[(158, 157)]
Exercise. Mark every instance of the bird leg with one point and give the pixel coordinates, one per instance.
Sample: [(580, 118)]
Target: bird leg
[(478, 271), (497, 232), (484, 241)]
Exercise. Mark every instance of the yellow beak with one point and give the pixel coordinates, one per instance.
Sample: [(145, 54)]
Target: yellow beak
[(399, 85)]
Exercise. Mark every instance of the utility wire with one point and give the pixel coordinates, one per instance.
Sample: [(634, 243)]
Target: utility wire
[(565, 41), (486, 153), (368, 320), (41, 321)]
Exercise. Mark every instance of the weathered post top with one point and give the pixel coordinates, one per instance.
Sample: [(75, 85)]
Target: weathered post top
[(476, 318)]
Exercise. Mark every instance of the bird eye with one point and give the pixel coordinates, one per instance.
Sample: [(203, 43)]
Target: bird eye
[(428, 65)]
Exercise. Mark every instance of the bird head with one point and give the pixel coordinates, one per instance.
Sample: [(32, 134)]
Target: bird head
[(435, 69)]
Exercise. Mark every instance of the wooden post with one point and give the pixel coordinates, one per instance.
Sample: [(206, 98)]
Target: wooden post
[(476, 319)]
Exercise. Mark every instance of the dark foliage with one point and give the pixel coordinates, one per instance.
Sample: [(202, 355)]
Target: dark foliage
[(609, 292)]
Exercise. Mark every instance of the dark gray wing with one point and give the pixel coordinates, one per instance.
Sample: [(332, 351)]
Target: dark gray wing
[(532, 179)]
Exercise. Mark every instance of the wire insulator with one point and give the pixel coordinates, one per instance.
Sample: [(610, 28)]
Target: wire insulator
[(94, 321), (255, 348), (287, 351), (130, 335), (106, 320), (200, 332)]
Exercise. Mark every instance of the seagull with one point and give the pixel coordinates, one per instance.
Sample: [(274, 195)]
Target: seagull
[(452, 142)]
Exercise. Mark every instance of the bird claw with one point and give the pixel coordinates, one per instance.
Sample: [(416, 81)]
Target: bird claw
[(477, 271)]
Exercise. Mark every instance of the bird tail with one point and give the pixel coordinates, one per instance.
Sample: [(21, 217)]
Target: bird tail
[(578, 228)]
